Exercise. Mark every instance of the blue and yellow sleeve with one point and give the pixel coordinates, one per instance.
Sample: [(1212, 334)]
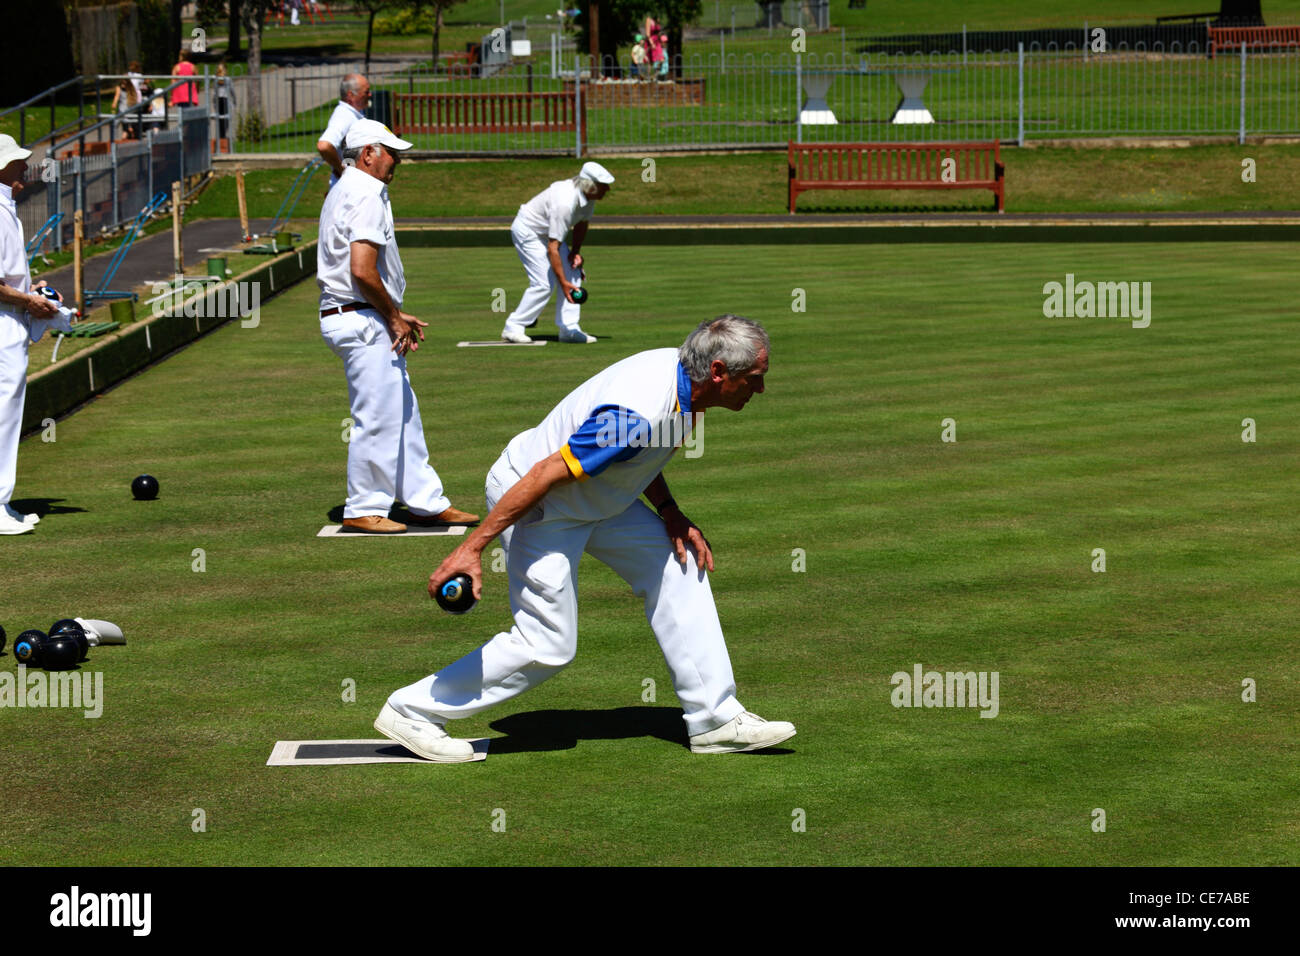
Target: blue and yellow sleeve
[(611, 434)]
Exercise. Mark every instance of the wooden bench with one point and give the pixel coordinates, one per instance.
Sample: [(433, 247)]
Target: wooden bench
[(1227, 38), (461, 62), (895, 166), (487, 113)]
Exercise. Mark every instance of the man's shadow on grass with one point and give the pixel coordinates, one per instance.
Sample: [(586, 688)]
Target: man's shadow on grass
[(43, 506), (541, 730)]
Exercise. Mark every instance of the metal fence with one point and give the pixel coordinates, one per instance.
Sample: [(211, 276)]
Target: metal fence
[(111, 188), (730, 100)]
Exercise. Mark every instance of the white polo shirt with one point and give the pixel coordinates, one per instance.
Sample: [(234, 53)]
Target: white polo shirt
[(616, 431), (341, 120), (554, 211), (356, 210), (13, 251)]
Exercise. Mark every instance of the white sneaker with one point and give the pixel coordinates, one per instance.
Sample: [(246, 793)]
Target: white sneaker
[(515, 335), (19, 516), (423, 738), (10, 526), (576, 335), (746, 732)]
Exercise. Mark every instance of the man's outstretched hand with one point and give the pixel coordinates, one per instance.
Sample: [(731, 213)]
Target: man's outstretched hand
[(464, 560)]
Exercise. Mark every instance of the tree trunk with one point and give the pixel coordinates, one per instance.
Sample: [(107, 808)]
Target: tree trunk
[(437, 33), (252, 12), (675, 50), (176, 37), (232, 48), (370, 32)]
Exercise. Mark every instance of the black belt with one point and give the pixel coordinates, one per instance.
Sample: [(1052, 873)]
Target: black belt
[(350, 307)]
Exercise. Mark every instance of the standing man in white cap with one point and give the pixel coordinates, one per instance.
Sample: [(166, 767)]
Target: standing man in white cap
[(354, 95), (362, 284), (539, 232), (18, 307)]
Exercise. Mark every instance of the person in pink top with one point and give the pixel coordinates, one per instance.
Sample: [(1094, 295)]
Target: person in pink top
[(658, 44), (185, 95)]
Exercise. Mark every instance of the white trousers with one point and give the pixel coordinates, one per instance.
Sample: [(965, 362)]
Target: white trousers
[(542, 282), (13, 393), (387, 457), (542, 563)]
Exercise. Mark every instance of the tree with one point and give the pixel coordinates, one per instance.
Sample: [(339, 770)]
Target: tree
[(371, 8), (438, 7), (253, 12), (617, 23), (620, 20), (232, 48)]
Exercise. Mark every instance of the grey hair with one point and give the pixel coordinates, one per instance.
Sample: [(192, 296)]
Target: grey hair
[(350, 84), (585, 186), (731, 339), (352, 152)]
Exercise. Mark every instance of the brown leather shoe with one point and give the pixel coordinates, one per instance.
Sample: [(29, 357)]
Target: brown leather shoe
[(373, 524), (452, 516)]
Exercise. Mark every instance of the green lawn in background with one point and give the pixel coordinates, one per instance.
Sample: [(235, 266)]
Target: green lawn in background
[(1203, 178), (1118, 690)]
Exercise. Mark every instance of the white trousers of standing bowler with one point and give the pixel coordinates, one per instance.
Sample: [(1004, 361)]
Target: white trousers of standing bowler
[(542, 282), (387, 457), (13, 392), (542, 562)]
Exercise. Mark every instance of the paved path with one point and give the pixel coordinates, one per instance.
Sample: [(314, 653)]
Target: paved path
[(150, 258)]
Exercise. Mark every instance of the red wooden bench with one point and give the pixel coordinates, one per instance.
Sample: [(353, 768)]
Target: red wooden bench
[(895, 166), (461, 62), (486, 113), (1227, 38)]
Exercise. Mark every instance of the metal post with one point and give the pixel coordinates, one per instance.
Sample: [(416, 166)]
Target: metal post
[(58, 200), (733, 21), (1085, 41), (293, 97), (723, 38), (1020, 138), (114, 180), (798, 97), (963, 44), (1241, 132), (149, 159)]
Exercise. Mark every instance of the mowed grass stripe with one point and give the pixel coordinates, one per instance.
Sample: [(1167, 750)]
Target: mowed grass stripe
[(1118, 690)]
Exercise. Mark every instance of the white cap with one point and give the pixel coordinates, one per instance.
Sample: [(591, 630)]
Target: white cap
[(10, 150), (366, 132), (596, 173)]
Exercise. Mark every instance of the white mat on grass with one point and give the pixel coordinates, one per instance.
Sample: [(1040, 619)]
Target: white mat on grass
[(485, 345), (412, 531), (320, 753)]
